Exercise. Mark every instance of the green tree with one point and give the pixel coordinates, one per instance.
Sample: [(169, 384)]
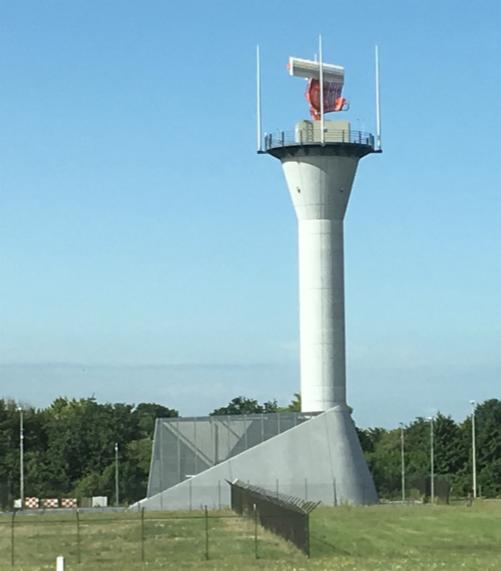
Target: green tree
[(81, 436), (244, 405), (147, 413), (294, 405), (488, 437), (9, 452), (451, 454), (382, 451)]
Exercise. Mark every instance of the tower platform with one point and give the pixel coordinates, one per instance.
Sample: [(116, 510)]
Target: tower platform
[(305, 139)]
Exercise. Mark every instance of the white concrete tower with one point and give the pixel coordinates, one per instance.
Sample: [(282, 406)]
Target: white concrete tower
[(319, 160), (320, 178)]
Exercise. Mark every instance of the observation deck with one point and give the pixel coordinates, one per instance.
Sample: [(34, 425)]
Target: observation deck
[(305, 139)]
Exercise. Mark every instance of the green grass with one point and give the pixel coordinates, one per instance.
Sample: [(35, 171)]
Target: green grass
[(379, 538), (392, 537), (172, 540)]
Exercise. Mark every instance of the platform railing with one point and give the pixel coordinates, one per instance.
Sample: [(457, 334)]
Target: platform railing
[(304, 136)]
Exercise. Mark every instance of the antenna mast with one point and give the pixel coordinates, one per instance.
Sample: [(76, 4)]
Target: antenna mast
[(321, 78), (378, 100), (259, 128)]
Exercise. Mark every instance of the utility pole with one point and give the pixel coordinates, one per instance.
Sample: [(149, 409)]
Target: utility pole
[(21, 455), (432, 463), (473, 448), (117, 497), (402, 458)]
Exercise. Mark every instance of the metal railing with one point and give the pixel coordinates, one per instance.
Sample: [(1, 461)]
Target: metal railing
[(304, 137), (287, 516)]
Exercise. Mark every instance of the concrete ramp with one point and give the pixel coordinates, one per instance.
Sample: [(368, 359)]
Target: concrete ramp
[(318, 460)]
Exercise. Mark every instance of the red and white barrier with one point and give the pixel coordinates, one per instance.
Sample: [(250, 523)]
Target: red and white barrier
[(31, 503), (69, 503), (50, 503)]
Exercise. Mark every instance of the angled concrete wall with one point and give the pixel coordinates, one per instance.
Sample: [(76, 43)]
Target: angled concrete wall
[(320, 459)]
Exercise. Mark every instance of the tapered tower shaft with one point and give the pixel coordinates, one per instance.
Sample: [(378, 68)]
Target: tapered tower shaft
[(321, 313), (320, 178)]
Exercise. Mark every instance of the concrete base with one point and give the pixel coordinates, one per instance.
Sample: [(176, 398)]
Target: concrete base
[(320, 459)]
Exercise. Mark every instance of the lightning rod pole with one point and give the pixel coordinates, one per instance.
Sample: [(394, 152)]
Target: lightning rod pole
[(321, 80), (259, 126), (378, 100)]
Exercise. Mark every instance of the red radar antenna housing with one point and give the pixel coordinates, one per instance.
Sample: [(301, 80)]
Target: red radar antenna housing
[(333, 102)]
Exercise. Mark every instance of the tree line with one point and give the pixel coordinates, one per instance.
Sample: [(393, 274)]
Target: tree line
[(453, 458), (69, 448)]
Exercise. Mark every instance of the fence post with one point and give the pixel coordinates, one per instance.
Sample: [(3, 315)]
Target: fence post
[(12, 559), (307, 534), (219, 494), (79, 557), (255, 531), (206, 533), (142, 534)]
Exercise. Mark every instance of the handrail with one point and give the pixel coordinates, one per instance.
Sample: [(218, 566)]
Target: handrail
[(304, 137)]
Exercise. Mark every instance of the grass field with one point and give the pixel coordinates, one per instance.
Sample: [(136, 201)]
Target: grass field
[(384, 538), (379, 538)]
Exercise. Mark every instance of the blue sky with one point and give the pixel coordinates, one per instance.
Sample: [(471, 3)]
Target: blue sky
[(148, 254)]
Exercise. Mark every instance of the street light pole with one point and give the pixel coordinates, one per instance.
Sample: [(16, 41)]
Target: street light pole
[(21, 455), (473, 448), (402, 458), (432, 463), (117, 498)]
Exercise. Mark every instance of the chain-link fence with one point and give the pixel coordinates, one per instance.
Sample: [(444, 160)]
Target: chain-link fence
[(125, 538)]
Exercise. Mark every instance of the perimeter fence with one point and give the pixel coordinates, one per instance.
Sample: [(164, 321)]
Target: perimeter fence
[(287, 516), (131, 538)]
